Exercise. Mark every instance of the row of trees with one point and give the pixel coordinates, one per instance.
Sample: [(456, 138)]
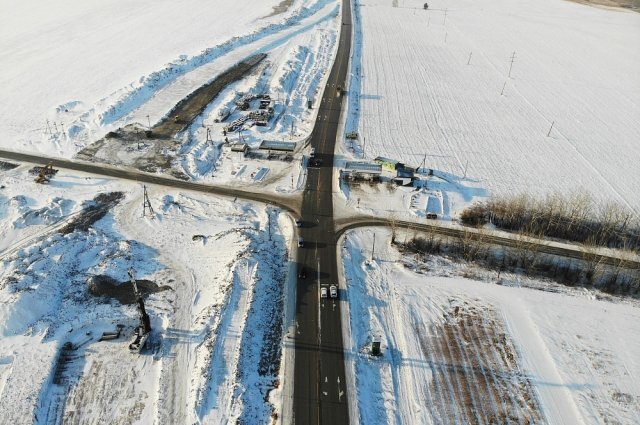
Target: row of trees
[(575, 218), (525, 257)]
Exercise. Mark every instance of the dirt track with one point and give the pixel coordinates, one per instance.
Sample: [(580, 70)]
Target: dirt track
[(624, 4), (476, 379), (151, 151), (193, 105)]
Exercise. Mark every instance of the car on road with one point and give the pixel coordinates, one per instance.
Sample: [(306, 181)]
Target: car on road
[(315, 162), (312, 154), (298, 223), (323, 292), (333, 291), (302, 273), (300, 242)]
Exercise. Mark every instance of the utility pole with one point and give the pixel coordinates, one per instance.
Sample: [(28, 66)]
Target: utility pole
[(364, 144), (445, 16), (149, 121), (513, 58), (373, 250), (209, 135), (503, 86), (146, 203), (445, 36), (552, 123), (49, 128), (469, 61)]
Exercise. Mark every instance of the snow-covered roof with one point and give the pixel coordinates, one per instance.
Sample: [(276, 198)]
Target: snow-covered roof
[(363, 167), (277, 146)]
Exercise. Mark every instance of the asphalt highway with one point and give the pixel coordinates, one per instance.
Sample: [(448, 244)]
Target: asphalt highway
[(290, 204), (319, 390)]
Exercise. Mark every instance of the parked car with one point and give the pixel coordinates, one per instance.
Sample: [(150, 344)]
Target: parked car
[(323, 292), (333, 291), (300, 242), (298, 223)]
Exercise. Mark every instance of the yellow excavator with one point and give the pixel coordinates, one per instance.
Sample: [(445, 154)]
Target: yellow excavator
[(45, 174)]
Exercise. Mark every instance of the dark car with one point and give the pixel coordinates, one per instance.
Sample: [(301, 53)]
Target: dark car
[(315, 162), (302, 273)]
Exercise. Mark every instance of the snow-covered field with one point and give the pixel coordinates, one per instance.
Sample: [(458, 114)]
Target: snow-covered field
[(216, 318), (85, 68), (456, 350), (436, 82), (428, 85)]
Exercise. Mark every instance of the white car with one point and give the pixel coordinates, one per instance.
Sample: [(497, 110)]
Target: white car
[(323, 292), (333, 291)]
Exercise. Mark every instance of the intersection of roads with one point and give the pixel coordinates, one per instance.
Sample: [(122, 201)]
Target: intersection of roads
[(319, 386)]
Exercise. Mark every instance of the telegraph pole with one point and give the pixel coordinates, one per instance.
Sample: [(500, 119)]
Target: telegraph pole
[(146, 203), (551, 128), (513, 58), (373, 250)]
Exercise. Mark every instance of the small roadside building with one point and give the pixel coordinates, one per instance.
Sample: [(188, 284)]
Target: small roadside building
[(273, 145), (239, 147), (388, 163), (359, 170), (404, 176)]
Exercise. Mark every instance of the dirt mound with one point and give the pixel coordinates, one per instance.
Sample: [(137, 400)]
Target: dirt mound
[(93, 211), (6, 166), (105, 286)]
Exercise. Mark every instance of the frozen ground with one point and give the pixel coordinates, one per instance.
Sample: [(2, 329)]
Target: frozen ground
[(456, 350), (435, 88), (214, 353)]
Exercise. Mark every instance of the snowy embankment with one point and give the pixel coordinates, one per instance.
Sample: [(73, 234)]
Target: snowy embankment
[(455, 349), (562, 118), (46, 290)]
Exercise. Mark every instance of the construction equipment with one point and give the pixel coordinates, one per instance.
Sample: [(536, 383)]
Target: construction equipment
[(141, 332), (45, 173)]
